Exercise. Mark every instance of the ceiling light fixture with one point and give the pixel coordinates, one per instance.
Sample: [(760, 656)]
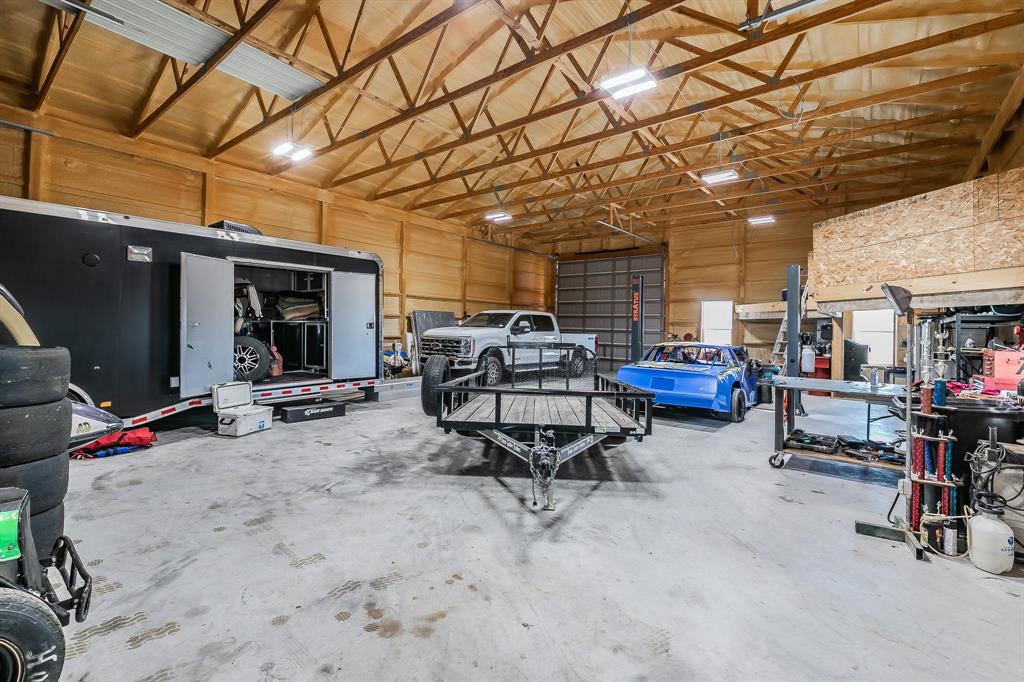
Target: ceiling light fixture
[(631, 81), (774, 15), (284, 149), (498, 217), (761, 219), (301, 154), (719, 176)]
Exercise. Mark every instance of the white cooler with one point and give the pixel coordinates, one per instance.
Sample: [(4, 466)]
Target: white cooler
[(236, 413)]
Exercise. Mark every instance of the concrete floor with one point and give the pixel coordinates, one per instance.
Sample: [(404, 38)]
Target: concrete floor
[(375, 547)]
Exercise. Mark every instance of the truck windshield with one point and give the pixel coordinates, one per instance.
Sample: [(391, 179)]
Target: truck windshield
[(493, 320)]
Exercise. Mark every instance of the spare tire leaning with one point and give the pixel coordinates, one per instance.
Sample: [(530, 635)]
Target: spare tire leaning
[(435, 373), (34, 432), (46, 481), (46, 528), (32, 375)]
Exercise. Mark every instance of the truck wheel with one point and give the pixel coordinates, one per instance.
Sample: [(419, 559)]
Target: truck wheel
[(492, 369), (739, 406), (46, 528), (31, 641), (577, 365), (252, 359), (32, 375), (46, 481), (435, 373), (35, 432)]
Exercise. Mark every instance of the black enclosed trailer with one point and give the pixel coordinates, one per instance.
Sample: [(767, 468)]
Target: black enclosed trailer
[(147, 307)]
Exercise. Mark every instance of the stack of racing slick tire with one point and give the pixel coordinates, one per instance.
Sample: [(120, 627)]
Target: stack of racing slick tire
[(35, 429)]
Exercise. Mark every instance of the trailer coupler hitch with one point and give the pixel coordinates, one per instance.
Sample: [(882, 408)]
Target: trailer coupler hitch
[(544, 461)]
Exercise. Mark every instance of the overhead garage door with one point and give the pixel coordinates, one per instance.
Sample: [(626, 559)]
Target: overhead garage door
[(592, 296)]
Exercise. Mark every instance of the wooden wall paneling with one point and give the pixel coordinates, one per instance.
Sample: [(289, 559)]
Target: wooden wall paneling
[(433, 267), (13, 162), (532, 286), (487, 274), (88, 176), (277, 214)]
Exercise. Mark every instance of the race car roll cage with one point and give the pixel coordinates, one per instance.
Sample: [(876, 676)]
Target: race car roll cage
[(538, 444)]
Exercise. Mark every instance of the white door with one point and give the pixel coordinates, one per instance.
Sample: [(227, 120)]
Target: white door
[(207, 323), (353, 325)]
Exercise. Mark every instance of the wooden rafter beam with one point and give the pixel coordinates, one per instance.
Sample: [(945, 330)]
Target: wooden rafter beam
[(428, 26), (63, 49), (914, 187), (942, 38), (841, 138), (506, 73), (752, 189), (248, 26), (681, 68), (1009, 106)]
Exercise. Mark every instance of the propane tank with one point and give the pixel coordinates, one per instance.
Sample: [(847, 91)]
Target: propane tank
[(807, 360), (991, 541)]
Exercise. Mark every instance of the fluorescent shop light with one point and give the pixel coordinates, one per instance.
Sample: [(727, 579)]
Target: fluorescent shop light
[(761, 220), (301, 154), (284, 149), (776, 14), (629, 83), (498, 217), (715, 177)]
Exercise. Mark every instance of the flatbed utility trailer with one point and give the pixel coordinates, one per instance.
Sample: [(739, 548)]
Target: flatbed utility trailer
[(544, 416)]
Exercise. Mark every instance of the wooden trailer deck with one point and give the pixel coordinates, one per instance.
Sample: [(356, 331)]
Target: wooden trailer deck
[(546, 410)]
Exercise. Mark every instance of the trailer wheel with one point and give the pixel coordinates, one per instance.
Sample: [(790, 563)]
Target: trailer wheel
[(31, 641), (46, 481), (35, 432), (32, 375), (435, 373), (252, 359)]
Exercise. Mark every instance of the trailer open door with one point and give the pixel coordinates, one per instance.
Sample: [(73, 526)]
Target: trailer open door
[(207, 323), (353, 325)]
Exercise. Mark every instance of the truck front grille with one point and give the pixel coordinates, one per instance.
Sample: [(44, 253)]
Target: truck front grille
[(436, 346)]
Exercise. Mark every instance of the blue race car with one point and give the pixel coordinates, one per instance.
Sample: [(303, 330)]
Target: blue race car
[(719, 378)]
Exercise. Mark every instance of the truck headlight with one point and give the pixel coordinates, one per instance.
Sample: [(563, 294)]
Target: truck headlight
[(466, 345)]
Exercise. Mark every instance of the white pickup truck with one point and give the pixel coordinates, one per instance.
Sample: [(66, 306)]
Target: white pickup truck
[(478, 343)]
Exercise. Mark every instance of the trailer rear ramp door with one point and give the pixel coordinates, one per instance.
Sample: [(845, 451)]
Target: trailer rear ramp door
[(353, 325), (207, 323)]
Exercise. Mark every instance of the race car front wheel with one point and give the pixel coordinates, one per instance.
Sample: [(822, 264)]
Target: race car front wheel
[(31, 641)]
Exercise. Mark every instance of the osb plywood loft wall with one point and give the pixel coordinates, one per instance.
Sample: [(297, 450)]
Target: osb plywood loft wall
[(961, 238), (428, 264)]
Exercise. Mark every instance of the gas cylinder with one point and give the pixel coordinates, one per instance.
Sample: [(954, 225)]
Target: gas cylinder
[(807, 360), (991, 541)]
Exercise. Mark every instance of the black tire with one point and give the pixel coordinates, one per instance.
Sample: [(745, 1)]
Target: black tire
[(435, 373), (492, 368), (33, 375), (31, 640), (739, 406), (46, 528), (46, 481), (252, 359), (577, 365), (35, 432)]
